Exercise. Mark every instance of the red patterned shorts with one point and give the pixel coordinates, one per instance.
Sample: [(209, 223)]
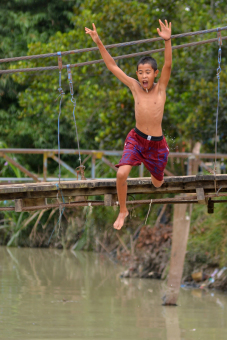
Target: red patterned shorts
[(153, 154)]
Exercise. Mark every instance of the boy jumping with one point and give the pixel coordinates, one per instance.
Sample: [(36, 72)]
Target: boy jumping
[(145, 143)]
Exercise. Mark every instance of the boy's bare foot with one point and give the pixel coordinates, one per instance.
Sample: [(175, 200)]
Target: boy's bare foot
[(118, 224)]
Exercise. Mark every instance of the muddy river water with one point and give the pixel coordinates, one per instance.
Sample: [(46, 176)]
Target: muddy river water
[(55, 294)]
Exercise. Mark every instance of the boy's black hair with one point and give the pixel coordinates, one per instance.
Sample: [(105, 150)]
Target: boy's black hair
[(148, 60)]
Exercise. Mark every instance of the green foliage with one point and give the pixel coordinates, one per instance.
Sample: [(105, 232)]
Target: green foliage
[(105, 109), (24, 22), (208, 236)]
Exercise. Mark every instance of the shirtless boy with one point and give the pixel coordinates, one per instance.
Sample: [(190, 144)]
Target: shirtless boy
[(146, 142)]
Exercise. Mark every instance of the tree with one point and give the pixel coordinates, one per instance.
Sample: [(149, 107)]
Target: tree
[(25, 22), (105, 111)]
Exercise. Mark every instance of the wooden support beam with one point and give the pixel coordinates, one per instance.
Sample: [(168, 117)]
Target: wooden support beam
[(181, 224), (80, 202), (22, 204), (65, 165), (86, 159), (168, 173), (107, 162), (200, 195), (20, 167), (18, 205), (108, 200)]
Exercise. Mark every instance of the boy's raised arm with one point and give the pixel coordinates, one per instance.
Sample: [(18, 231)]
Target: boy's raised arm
[(165, 33), (109, 61)]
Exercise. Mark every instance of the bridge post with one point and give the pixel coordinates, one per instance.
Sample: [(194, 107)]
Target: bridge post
[(181, 225), (141, 170), (108, 200), (45, 166), (93, 166)]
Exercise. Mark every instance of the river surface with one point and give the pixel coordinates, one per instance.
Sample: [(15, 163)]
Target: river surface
[(54, 294)]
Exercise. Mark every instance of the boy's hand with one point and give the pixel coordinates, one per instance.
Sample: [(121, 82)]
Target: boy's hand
[(93, 33), (165, 32)]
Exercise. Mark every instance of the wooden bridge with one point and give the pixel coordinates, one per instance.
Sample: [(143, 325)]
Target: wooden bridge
[(203, 189), (199, 189)]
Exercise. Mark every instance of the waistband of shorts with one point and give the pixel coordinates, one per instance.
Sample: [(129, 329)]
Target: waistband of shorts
[(143, 135)]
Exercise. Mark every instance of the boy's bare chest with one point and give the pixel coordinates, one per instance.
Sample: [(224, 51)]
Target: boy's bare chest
[(149, 102)]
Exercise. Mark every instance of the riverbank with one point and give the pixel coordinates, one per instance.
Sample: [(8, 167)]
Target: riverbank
[(151, 259), (205, 262)]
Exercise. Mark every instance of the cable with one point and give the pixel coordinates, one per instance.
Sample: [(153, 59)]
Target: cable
[(216, 128), (33, 69), (130, 43), (73, 100)]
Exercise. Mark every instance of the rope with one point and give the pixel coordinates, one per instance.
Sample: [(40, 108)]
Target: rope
[(61, 212), (148, 211), (130, 43), (216, 129), (37, 69), (73, 100)]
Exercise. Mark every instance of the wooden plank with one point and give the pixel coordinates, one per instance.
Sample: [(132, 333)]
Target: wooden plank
[(181, 184), (29, 202), (144, 181)]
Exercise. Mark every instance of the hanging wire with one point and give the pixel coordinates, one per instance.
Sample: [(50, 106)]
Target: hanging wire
[(61, 212), (148, 212), (73, 100), (216, 128), (61, 93)]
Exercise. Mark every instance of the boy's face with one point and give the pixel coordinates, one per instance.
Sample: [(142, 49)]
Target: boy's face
[(146, 75)]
